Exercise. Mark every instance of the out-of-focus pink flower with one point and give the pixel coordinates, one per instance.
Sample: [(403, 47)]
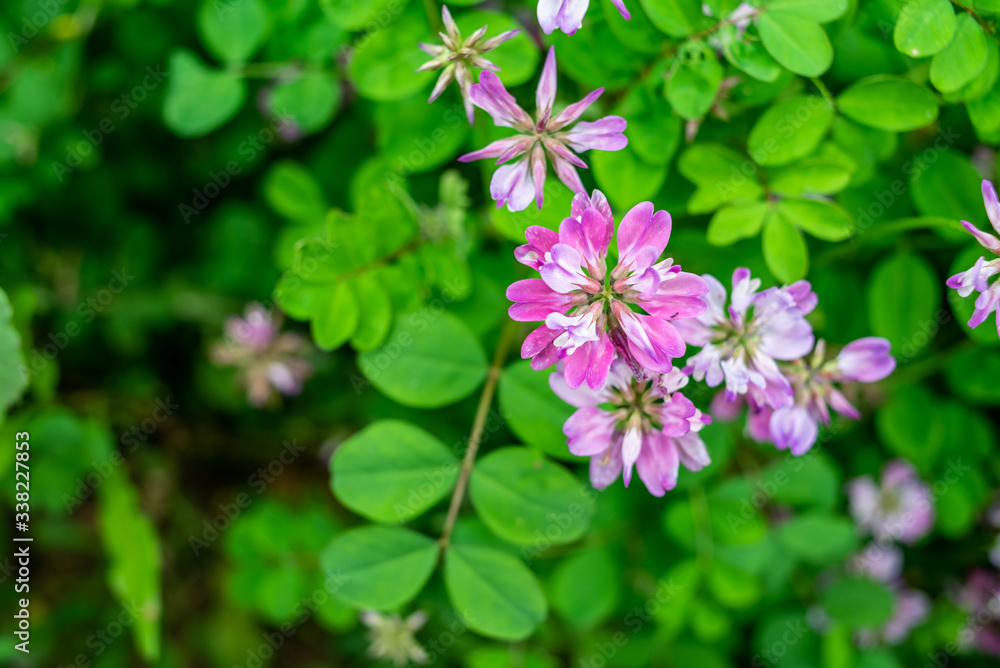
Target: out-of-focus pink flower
[(910, 609), (979, 597), (567, 15), (586, 310), (898, 508), (649, 425), (741, 343), (977, 278), (546, 138), (456, 58), (879, 562), (267, 362)]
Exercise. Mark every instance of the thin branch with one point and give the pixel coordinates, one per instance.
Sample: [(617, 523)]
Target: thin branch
[(476, 435)]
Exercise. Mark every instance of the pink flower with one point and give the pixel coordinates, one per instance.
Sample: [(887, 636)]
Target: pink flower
[(649, 425), (740, 344), (910, 609), (567, 15), (267, 362), (977, 278), (543, 139), (979, 597), (586, 309), (457, 57), (897, 508)]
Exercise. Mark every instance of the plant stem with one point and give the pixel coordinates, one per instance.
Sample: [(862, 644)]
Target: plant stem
[(702, 527), (824, 91), (476, 435), (433, 15)]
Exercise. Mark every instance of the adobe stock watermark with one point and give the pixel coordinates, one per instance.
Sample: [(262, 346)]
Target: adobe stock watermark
[(258, 481), (248, 150), (35, 23), (101, 639), (87, 312), (122, 107), (130, 440)]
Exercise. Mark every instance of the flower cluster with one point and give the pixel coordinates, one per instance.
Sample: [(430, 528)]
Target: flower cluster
[(392, 637), (268, 362), (456, 58), (587, 310), (545, 138), (977, 278), (763, 348), (630, 421)]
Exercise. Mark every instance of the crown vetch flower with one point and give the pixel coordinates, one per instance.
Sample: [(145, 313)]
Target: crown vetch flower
[(456, 58), (650, 425), (268, 362), (898, 507), (977, 278), (587, 310), (546, 138), (392, 638), (740, 344), (567, 15)]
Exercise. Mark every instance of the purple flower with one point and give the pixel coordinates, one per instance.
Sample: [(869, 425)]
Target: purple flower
[(267, 362), (740, 344), (586, 309), (979, 597), (977, 278), (567, 15), (645, 423), (457, 58), (897, 508), (546, 138), (910, 609), (879, 562)]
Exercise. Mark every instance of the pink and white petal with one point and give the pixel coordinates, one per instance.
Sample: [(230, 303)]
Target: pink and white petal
[(866, 359), (605, 468), (545, 94), (589, 431), (564, 273), (573, 111), (491, 96), (992, 205), (631, 447), (692, 451), (580, 396), (540, 339), (538, 168), (620, 5), (603, 353), (658, 464), (567, 174), (985, 239), (511, 185), (794, 429), (840, 404), (496, 148), (606, 134)]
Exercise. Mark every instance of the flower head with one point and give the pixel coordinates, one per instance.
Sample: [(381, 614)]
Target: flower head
[(268, 362), (897, 508), (456, 58), (977, 278), (587, 310), (740, 344), (567, 15), (979, 597), (392, 637), (546, 138), (649, 425)]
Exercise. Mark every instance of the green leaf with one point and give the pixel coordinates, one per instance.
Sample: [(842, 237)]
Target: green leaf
[(12, 367), (823, 220), (910, 425), (524, 498), (431, 136), (707, 163), (493, 592), (859, 602), (677, 18), (972, 375), (963, 59), (904, 294), (749, 56), (948, 187), (532, 410), (625, 178), (384, 72), (820, 11), (924, 27), (789, 130), (808, 480), (692, 88), (309, 101), (375, 319), (233, 31), (134, 570), (732, 587), (379, 568), (982, 83), (817, 538), (335, 316), (359, 14), (888, 103), (585, 589), (292, 192), (798, 44), (199, 100), (392, 471), (822, 175), (654, 132), (785, 250), (985, 114), (517, 59), (740, 221), (431, 360)]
